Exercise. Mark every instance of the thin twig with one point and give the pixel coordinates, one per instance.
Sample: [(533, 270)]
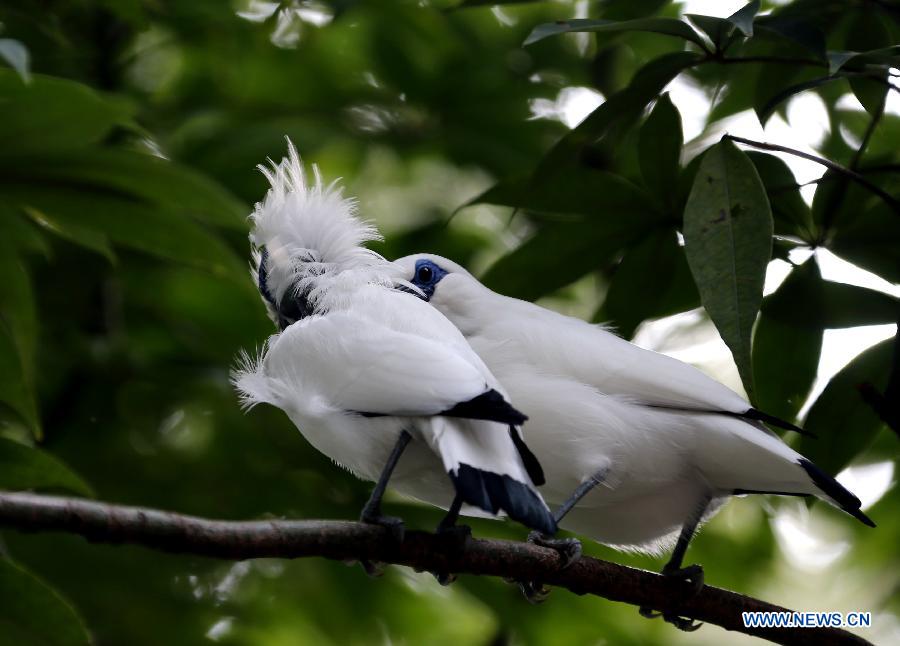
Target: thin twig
[(827, 163), (343, 540)]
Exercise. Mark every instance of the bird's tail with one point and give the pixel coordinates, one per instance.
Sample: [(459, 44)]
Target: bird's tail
[(743, 458), (836, 492), (488, 471)]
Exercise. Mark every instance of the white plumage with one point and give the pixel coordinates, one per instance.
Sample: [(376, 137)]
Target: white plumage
[(663, 437), (358, 362)]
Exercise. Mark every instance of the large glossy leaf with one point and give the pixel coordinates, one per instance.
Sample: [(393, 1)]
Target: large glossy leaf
[(603, 130), (52, 114), (144, 176), (659, 147), (560, 253), (867, 31), (785, 348), (666, 26), (33, 614), (132, 224), (18, 335), (844, 423), (583, 192), (871, 240), (25, 468), (653, 280), (813, 304), (728, 240), (69, 229)]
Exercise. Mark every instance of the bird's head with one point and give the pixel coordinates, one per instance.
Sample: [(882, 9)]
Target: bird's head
[(443, 283), (308, 243)]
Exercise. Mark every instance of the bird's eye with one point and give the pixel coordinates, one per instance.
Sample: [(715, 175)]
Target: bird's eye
[(424, 274)]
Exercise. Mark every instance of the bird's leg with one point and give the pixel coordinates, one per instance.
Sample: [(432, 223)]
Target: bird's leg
[(569, 549), (371, 511), (692, 574), (457, 533)]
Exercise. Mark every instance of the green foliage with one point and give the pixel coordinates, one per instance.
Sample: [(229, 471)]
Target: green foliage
[(728, 240), (129, 134), (32, 614)]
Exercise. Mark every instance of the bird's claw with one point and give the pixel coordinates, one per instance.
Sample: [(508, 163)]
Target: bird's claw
[(686, 624), (569, 549), (393, 524), (693, 575), (374, 569), (456, 535), (533, 591)]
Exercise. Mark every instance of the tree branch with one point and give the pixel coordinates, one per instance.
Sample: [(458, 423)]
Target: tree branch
[(343, 540), (827, 163)]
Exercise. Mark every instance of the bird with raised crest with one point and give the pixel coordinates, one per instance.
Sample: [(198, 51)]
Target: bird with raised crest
[(368, 372), (638, 448)]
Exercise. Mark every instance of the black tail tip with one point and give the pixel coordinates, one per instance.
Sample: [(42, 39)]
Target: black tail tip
[(836, 491), (495, 492)]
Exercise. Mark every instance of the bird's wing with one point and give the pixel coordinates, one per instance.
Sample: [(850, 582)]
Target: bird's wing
[(364, 367), (614, 366)]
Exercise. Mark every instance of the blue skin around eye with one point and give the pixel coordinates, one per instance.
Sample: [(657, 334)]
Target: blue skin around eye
[(427, 286)]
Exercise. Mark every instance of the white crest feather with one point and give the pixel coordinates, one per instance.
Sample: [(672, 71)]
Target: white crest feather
[(313, 235)]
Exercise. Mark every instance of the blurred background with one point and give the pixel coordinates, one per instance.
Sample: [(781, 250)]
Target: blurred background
[(129, 135)]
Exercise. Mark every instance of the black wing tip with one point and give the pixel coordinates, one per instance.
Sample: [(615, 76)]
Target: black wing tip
[(758, 415), (494, 492), (836, 491), (489, 405)]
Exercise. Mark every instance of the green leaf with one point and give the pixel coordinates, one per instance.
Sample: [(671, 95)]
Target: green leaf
[(16, 56), (822, 304), (785, 349), (871, 239), (659, 150), (771, 105), (34, 614), (867, 31), (92, 239), (140, 175), (51, 114), (25, 468), (844, 423), (582, 191), (653, 280), (18, 338), (836, 60), (603, 130), (790, 212), (743, 18), (133, 224), (718, 29), (666, 26), (16, 392), (728, 240), (534, 269)]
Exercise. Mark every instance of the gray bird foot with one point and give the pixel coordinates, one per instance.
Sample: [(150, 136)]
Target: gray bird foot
[(391, 523), (569, 550), (692, 574), (456, 536)]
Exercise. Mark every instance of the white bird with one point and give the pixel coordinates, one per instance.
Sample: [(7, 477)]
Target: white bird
[(666, 444), (366, 371)]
